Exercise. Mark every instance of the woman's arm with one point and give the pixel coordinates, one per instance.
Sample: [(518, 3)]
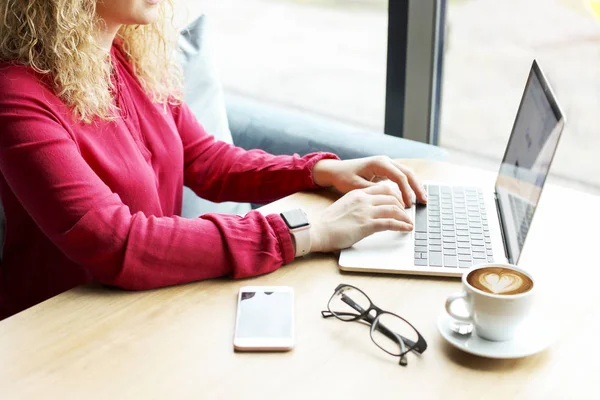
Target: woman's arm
[(90, 224), (219, 171)]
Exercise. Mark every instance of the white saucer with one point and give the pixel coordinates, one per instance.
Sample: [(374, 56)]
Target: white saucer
[(532, 337)]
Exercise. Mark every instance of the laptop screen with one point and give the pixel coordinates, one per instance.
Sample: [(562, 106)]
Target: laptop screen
[(527, 159)]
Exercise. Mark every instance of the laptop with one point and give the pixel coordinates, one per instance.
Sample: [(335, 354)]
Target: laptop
[(463, 226)]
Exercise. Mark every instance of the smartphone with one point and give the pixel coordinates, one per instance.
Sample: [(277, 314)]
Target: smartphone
[(265, 319)]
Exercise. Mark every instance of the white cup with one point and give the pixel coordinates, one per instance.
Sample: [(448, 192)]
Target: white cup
[(496, 317)]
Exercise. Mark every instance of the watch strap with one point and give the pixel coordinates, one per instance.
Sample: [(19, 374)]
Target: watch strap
[(302, 240)]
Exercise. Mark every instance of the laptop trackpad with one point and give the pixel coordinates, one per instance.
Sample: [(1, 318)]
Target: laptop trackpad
[(382, 250)]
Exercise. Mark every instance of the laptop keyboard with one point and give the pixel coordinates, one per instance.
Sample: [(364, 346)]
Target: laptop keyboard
[(452, 230), (522, 213)]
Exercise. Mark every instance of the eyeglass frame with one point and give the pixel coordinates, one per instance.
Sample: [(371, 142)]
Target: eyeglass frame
[(419, 347)]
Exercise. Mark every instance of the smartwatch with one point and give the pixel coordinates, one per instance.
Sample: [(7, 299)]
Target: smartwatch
[(297, 222)]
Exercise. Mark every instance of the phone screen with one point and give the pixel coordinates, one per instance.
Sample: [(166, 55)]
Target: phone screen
[(266, 315)]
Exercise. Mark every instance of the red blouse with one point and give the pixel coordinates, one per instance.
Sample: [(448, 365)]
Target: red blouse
[(101, 202)]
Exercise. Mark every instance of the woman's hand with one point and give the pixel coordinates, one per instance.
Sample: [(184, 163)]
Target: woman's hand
[(357, 215), (361, 173)]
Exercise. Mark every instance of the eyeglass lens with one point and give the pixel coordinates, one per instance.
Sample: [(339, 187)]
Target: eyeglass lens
[(348, 303), (387, 330)]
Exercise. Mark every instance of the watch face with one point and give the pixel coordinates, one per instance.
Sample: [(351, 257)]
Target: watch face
[(295, 219)]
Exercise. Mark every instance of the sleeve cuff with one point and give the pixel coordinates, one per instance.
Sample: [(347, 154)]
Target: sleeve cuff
[(283, 237), (313, 159)]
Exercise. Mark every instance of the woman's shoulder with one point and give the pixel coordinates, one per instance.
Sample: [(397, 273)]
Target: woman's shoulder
[(24, 80)]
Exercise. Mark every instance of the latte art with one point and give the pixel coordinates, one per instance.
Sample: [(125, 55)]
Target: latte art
[(498, 280)]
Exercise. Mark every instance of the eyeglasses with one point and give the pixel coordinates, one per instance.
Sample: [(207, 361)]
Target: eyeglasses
[(390, 332)]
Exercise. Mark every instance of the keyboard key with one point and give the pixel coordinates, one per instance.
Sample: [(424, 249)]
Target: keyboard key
[(490, 259), (435, 235), (479, 256), (464, 264), (449, 252), (476, 242), (449, 245), (435, 259), (435, 248), (421, 262), (450, 261), (463, 239), (478, 249), (462, 233), (449, 239), (420, 242), (463, 257), (462, 245), (420, 249), (420, 218), (464, 251), (434, 229), (437, 242), (420, 235)]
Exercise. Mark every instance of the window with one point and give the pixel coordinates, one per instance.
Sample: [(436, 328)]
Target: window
[(490, 47), (329, 57), (326, 57)]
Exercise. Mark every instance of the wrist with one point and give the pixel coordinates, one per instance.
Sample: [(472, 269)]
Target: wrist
[(323, 172), (316, 241)]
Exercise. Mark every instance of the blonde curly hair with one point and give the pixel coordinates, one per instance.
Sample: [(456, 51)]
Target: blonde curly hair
[(57, 38)]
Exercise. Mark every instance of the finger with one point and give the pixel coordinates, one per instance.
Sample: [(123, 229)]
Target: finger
[(388, 224), (385, 167), (385, 189), (388, 211), (413, 181), (385, 199)]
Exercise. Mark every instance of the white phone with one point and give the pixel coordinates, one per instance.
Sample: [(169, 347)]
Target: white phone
[(265, 319)]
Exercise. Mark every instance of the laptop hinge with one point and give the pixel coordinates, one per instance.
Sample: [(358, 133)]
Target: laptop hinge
[(502, 229)]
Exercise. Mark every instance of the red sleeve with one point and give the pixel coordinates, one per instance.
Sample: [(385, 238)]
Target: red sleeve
[(218, 171), (90, 224)]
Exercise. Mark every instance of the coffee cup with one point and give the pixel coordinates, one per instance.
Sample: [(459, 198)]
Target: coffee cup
[(497, 298)]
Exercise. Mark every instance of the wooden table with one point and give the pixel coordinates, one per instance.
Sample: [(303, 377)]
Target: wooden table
[(97, 343)]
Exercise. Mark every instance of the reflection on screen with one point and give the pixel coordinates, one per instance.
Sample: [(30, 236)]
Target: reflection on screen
[(265, 315), (526, 162)]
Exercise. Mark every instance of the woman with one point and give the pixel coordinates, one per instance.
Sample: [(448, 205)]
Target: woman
[(95, 146)]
